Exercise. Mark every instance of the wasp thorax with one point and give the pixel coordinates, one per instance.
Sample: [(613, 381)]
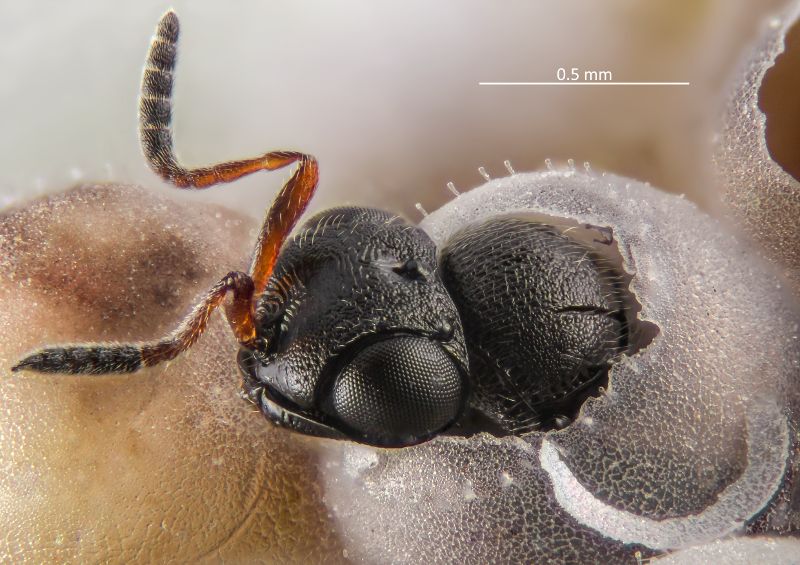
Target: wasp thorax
[(545, 312)]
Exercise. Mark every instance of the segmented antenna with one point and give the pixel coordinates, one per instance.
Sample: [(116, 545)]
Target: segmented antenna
[(155, 99), (155, 132), (155, 122)]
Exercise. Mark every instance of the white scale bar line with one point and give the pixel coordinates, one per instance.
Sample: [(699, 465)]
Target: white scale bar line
[(589, 83)]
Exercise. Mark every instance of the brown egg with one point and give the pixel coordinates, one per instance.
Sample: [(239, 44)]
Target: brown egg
[(167, 464)]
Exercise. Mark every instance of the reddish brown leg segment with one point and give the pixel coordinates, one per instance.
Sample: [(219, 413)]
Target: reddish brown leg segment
[(239, 318), (281, 218)]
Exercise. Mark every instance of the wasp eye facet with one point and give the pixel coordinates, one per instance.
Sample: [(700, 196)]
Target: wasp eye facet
[(398, 392)]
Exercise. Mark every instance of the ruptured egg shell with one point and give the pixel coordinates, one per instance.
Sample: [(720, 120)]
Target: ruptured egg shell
[(756, 153), (688, 444), (738, 551), (165, 465)]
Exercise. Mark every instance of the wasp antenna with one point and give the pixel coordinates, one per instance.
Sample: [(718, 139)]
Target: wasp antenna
[(106, 358), (508, 167), (484, 174), (155, 133), (155, 98), (452, 188), (92, 359)]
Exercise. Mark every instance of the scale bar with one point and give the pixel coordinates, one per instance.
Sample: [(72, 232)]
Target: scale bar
[(584, 83)]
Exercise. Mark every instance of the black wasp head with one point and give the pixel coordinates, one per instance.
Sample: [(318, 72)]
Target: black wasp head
[(361, 339)]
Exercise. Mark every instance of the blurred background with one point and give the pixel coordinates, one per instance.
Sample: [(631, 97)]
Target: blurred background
[(385, 94)]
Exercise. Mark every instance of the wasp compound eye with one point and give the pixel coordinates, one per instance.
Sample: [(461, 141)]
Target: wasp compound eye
[(397, 392)]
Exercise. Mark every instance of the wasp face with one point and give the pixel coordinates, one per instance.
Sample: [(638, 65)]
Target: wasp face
[(361, 339)]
